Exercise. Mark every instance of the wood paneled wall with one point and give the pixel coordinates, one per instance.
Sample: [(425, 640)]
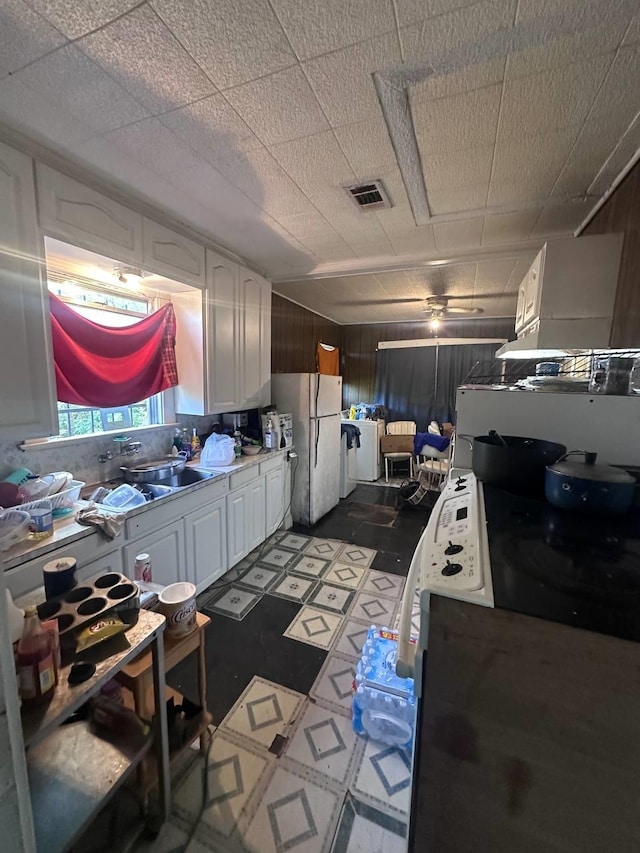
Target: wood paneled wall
[(359, 344), (295, 333), (622, 213)]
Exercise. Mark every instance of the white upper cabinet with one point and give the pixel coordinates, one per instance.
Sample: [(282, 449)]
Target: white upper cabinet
[(255, 326), (27, 384), (223, 364), (171, 254), (80, 215)]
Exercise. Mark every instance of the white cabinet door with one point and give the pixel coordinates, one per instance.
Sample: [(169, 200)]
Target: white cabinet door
[(254, 313), (257, 527), (238, 514), (223, 363), (27, 384), (531, 307), (167, 552), (275, 499), (103, 565), (84, 217), (171, 254), (206, 544)]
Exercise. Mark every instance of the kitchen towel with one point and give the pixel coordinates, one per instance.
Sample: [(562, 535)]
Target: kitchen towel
[(108, 523)]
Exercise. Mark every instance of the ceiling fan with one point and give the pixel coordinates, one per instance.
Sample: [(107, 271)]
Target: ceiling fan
[(438, 307)]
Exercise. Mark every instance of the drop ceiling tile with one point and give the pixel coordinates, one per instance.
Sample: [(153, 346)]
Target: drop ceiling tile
[(232, 42), (316, 164), (319, 26), (146, 59), (97, 100), (493, 276), (461, 39), (460, 234), (38, 116), (259, 176), (520, 191), (463, 121), (279, 107), (151, 142), (342, 80), (211, 126), (445, 83), (415, 240), (507, 227), (533, 153), (366, 146), (633, 33), (81, 16), (562, 219), (560, 49), (457, 199), (552, 100), (458, 168), (24, 36), (412, 11)]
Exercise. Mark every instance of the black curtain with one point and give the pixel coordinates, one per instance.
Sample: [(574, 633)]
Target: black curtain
[(454, 365), (419, 383), (405, 383)]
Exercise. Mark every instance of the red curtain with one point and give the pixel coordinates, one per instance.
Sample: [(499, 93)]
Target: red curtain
[(104, 366)]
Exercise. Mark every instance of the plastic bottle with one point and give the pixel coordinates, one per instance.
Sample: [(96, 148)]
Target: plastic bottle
[(352, 413), (34, 659), (195, 444), (142, 568), (186, 443), (177, 439), (269, 435), (237, 437)]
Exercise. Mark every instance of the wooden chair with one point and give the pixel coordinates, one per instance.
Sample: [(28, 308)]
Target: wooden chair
[(402, 430)]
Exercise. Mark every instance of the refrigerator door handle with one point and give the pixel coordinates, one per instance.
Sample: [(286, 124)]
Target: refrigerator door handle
[(317, 394), (315, 464)]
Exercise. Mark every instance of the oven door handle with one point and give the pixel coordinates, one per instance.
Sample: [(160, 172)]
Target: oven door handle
[(405, 664)]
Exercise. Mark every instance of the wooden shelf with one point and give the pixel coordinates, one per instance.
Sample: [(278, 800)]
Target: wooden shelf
[(73, 773), (37, 723)]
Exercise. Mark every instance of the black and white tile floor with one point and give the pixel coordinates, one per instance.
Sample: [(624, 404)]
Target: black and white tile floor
[(286, 771)]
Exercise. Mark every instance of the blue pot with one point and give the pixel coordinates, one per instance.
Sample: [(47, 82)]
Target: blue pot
[(583, 486)]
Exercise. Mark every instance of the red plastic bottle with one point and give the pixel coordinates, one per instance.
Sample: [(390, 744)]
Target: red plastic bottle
[(34, 659)]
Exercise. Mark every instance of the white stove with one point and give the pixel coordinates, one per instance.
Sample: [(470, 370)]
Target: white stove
[(451, 559)]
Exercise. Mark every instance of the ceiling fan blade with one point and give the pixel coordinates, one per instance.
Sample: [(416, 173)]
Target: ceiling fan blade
[(480, 296), (454, 310)]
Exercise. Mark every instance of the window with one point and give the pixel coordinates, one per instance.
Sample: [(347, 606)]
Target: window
[(109, 307)]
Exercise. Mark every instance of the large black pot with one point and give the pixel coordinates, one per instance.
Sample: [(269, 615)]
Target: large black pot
[(514, 462), (582, 486)]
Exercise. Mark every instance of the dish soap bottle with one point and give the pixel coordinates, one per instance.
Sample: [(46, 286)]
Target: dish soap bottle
[(34, 659), (195, 445)]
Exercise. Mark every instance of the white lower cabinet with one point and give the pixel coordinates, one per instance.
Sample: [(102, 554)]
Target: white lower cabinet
[(108, 563), (275, 499), (166, 549), (206, 544), (257, 521), (237, 521)]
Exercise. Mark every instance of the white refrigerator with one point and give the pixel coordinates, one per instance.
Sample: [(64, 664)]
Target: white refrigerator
[(315, 401)]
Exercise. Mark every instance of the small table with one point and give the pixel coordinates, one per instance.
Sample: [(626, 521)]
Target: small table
[(137, 677)]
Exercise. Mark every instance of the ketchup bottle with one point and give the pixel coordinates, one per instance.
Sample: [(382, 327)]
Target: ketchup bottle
[(36, 668)]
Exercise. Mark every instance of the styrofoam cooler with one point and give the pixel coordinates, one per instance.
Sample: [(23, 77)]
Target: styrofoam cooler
[(384, 705)]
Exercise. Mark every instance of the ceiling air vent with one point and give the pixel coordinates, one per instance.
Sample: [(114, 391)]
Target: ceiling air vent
[(370, 196)]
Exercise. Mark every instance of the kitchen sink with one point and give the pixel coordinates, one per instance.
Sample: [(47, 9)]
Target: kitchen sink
[(189, 476)]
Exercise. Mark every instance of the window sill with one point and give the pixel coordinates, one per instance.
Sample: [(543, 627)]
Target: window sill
[(62, 441)]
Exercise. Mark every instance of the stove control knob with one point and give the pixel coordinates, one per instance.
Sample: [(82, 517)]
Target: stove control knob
[(452, 549), (460, 481), (451, 569)]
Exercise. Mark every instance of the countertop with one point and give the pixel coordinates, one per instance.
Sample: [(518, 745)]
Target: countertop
[(67, 529)]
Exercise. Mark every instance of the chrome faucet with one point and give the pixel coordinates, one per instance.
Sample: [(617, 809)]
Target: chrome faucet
[(131, 448)]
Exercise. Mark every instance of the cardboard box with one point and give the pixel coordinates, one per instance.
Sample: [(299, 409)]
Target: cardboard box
[(396, 444)]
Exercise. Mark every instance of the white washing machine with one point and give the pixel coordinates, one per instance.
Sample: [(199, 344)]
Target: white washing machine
[(369, 458), (348, 467)]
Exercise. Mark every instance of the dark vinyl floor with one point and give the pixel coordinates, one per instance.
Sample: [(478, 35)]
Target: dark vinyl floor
[(237, 651)]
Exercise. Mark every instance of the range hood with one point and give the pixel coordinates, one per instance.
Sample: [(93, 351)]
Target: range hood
[(566, 299)]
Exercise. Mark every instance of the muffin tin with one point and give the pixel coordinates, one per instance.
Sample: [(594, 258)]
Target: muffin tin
[(99, 596)]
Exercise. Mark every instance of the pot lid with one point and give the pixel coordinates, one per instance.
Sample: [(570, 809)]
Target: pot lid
[(586, 469)]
